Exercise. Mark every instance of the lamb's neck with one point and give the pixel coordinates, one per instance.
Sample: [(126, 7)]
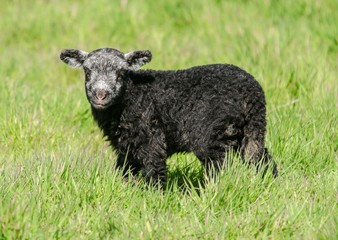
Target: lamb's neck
[(141, 76), (108, 120)]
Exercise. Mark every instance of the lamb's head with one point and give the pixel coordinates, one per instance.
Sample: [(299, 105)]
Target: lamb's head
[(105, 71)]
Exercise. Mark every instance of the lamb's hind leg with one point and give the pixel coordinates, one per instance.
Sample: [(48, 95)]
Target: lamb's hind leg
[(213, 163), (220, 147), (213, 159)]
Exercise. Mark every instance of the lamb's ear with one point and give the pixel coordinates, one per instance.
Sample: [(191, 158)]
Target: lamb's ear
[(73, 57), (137, 59)]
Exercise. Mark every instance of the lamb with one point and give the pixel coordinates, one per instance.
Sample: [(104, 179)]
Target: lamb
[(148, 115)]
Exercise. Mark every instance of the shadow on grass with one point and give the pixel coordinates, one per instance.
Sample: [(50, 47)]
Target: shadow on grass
[(187, 175), (190, 175), (186, 180)]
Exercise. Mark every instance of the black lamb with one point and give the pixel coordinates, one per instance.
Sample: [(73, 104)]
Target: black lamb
[(148, 115)]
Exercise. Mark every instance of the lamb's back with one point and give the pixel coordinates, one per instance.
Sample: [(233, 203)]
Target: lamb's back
[(188, 104)]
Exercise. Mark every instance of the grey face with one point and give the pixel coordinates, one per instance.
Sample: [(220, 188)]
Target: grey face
[(104, 72)]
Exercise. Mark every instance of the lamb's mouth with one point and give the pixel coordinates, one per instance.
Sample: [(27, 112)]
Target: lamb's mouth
[(100, 106)]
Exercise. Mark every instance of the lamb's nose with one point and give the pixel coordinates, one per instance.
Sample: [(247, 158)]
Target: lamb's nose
[(101, 94)]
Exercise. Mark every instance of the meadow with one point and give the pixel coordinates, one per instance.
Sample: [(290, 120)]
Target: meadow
[(56, 175)]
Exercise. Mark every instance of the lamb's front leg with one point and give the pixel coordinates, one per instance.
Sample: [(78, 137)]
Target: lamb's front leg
[(153, 156), (127, 165), (155, 171)]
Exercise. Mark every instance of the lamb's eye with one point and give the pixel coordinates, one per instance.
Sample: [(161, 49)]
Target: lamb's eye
[(121, 76), (86, 70)]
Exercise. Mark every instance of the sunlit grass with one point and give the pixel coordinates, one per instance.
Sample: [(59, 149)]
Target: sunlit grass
[(56, 171)]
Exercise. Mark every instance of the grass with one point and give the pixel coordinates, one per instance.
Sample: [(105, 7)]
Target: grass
[(56, 177)]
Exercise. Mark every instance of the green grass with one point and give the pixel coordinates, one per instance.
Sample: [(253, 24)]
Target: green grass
[(56, 176)]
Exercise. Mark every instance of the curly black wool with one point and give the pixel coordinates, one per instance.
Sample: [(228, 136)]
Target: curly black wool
[(148, 115)]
